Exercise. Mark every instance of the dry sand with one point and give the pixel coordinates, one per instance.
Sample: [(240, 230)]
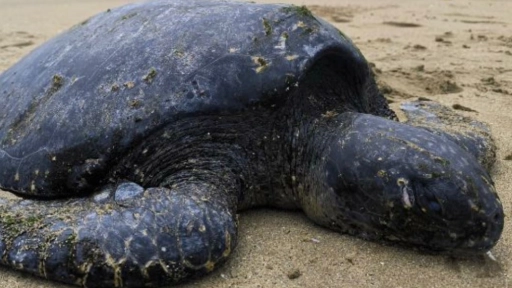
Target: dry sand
[(452, 51)]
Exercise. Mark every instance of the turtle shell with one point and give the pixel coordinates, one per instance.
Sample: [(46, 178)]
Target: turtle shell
[(75, 105)]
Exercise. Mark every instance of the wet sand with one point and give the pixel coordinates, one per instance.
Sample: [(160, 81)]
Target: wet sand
[(451, 51)]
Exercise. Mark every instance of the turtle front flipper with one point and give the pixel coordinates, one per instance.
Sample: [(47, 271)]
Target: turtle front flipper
[(123, 236), (470, 134)]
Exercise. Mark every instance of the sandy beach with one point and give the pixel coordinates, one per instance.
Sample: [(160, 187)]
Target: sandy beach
[(451, 51)]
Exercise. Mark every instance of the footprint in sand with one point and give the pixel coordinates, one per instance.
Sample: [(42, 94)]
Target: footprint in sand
[(17, 39), (401, 24), (343, 14), (473, 19), (334, 14), (416, 81)]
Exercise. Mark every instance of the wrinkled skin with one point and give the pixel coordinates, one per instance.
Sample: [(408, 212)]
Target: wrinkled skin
[(431, 193), (149, 196)]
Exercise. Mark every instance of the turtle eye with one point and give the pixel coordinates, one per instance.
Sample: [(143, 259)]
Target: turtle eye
[(434, 206), (429, 200)]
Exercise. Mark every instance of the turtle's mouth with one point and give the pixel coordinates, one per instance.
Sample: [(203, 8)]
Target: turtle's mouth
[(492, 226), (469, 222), (451, 225), (461, 238)]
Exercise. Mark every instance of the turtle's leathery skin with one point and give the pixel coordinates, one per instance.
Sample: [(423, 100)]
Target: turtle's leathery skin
[(143, 66), (139, 134)]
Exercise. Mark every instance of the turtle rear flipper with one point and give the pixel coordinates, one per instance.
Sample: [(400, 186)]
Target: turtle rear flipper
[(470, 134)]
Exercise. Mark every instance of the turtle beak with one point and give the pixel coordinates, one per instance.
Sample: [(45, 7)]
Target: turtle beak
[(493, 224)]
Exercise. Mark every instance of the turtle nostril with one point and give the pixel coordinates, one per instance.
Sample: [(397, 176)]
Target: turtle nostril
[(496, 217), (494, 225)]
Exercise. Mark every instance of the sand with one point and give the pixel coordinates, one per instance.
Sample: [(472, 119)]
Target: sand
[(452, 51)]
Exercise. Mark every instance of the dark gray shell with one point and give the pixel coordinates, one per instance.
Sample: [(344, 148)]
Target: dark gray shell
[(73, 106)]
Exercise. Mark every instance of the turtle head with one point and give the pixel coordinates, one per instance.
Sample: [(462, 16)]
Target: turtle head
[(390, 181)]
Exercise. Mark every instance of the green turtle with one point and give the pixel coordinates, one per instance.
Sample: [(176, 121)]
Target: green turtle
[(137, 136)]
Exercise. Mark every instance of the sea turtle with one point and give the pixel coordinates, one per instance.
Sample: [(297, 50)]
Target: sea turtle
[(139, 134)]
